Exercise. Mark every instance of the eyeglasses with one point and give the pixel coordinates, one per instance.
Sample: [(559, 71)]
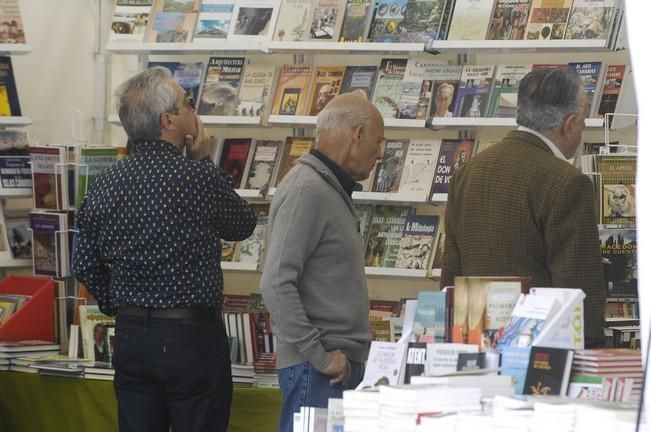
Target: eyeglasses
[(188, 102)]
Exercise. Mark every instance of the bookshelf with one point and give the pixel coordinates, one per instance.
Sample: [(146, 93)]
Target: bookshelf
[(15, 49), (15, 121)]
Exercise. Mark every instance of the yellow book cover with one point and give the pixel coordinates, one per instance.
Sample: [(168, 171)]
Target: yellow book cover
[(291, 89), (325, 86)]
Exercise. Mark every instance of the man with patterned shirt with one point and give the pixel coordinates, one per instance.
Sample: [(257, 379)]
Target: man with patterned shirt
[(148, 249), (520, 209)]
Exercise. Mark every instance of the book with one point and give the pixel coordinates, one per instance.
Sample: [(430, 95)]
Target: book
[(591, 74), (253, 20), (548, 19), (326, 18), (13, 31), (18, 235), (384, 235), (291, 89), (359, 77), (214, 20), (9, 103), (325, 86), (234, 159), (357, 21), (514, 362), (430, 319), (94, 327), (382, 330), (293, 23), (528, 317), (617, 194), (417, 242), (389, 171), (387, 91), (385, 365), (619, 259), (221, 86), (92, 161), (129, 21), (251, 250), (470, 19), (49, 243), (264, 164), (474, 91), (364, 217), (415, 360), (386, 21), (172, 21), (422, 21), (50, 186), (15, 168), (255, 90), (612, 89), (444, 85), (504, 95), (509, 20), (453, 154), (548, 372), (418, 171), (590, 19), (294, 148), (442, 358)]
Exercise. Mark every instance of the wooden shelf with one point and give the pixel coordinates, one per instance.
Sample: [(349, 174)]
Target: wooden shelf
[(511, 46), (214, 47), (15, 49), (15, 121), (344, 47)]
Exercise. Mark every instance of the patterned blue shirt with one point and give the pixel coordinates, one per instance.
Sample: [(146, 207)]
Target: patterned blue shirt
[(150, 229)]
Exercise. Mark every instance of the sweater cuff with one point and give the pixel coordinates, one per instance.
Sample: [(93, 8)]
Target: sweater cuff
[(317, 356)]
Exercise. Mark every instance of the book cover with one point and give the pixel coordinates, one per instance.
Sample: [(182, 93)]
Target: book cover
[(187, 76), (18, 235), (382, 330), (266, 154), (13, 31), (251, 250), (418, 172), (548, 19), (453, 154), (514, 362), (389, 170), (219, 95), (293, 23), (214, 20), (617, 194), (15, 168), (590, 19), (527, 320), (422, 21), (253, 20), (234, 158), (409, 104), (9, 103), (415, 360), (442, 358), (130, 21), (291, 89), (591, 76), (417, 242), (509, 20), (384, 235), (357, 21), (474, 91), (325, 86), (166, 27), (92, 162), (46, 243), (326, 18), (619, 259), (255, 90), (364, 218), (93, 326), (386, 94), (611, 90), (504, 96), (386, 21), (359, 77), (294, 148), (470, 19), (430, 319), (48, 184), (501, 301), (444, 85), (385, 364), (548, 372)]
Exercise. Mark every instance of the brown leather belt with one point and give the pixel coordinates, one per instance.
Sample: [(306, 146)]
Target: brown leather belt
[(185, 313)]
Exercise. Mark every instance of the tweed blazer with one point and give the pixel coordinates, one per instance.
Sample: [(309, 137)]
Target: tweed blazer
[(518, 210)]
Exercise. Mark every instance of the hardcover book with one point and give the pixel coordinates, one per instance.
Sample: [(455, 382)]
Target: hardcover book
[(130, 21), (389, 171), (590, 19), (509, 20), (359, 77), (234, 158), (619, 258), (384, 235), (357, 21), (9, 104), (291, 89), (386, 94), (453, 154), (326, 18), (418, 172), (325, 86), (255, 90), (416, 244), (187, 76), (474, 91), (214, 20), (219, 95), (548, 19), (504, 96), (293, 23), (548, 372)]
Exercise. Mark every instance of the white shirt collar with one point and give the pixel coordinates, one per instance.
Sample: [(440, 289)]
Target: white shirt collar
[(546, 140)]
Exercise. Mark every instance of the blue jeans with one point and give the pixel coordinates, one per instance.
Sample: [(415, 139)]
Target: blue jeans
[(302, 385)]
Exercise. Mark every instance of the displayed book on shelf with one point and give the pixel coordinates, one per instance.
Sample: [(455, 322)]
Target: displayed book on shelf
[(172, 21), (50, 243), (474, 91), (214, 20), (264, 165), (388, 172), (129, 21), (325, 85), (326, 18), (359, 77), (504, 95), (9, 103), (387, 21), (293, 20), (470, 19), (590, 19), (49, 179), (612, 89), (384, 235), (255, 91), (357, 21), (509, 20), (418, 171), (548, 19), (13, 31), (220, 87), (253, 20), (386, 94), (619, 258), (15, 168), (452, 154), (234, 158), (91, 162), (417, 241), (291, 89)]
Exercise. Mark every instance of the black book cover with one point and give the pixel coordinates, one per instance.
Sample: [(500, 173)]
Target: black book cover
[(549, 371), (415, 364)]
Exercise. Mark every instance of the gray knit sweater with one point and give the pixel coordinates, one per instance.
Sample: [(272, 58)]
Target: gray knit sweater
[(313, 279)]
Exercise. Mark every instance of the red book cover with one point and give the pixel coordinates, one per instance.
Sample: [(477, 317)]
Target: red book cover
[(234, 157), (47, 166)]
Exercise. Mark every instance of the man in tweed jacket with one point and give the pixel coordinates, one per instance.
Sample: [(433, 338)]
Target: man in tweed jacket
[(520, 208)]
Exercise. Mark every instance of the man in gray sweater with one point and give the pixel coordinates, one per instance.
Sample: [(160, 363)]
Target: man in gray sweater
[(313, 280)]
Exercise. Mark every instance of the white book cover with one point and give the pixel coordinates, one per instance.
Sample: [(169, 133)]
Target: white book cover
[(418, 172), (386, 361), (530, 315), (565, 329), (129, 23), (293, 20), (214, 20), (441, 358), (470, 19), (253, 20)]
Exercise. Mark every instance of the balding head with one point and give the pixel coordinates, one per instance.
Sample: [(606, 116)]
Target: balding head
[(345, 111)]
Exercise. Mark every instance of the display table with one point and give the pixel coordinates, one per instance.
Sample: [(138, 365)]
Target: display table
[(41, 403)]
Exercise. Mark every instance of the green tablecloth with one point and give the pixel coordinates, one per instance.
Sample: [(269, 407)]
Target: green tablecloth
[(33, 402)]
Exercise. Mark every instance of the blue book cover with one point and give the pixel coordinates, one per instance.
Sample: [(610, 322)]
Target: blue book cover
[(430, 319), (515, 361)]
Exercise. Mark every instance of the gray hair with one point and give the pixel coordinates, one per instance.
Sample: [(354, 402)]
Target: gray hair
[(334, 120), (546, 96), (142, 99)]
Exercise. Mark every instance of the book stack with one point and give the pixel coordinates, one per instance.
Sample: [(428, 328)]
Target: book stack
[(243, 375), (607, 374), (361, 409), (99, 371), (9, 351), (266, 374)]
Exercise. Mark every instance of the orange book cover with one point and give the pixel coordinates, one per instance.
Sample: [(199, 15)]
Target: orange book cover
[(291, 90)]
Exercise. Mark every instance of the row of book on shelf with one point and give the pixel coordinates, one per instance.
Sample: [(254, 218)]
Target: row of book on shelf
[(404, 88), (407, 21)]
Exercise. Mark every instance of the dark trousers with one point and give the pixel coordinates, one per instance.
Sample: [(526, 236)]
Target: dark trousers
[(171, 372)]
